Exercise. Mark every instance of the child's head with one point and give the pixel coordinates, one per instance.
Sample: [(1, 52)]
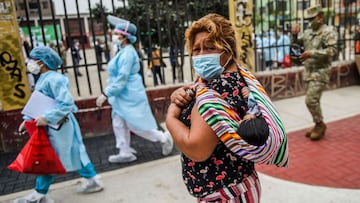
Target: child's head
[(254, 131)]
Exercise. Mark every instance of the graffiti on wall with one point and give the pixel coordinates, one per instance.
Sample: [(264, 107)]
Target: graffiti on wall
[(14, 90), (289, 83), (279, 84), (240, 12)]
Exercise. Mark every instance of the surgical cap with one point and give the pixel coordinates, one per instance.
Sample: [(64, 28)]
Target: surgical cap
[(46, 55), (127, 29)]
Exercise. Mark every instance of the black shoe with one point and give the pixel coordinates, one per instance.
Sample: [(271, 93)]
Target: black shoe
[(79, 74)]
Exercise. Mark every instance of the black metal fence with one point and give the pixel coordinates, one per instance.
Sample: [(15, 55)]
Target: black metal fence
[(162, 24)]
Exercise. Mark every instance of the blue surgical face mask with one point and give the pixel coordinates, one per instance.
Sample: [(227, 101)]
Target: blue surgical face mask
[(207, 66)]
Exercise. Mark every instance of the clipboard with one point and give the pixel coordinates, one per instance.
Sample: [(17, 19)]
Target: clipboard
[(37, 105)]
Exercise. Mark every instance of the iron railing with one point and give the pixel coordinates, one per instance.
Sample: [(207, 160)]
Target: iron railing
[(156, 27)]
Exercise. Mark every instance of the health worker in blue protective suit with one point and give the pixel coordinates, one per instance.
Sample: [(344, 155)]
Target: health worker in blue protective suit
[(283, 46), (67, 140), (272, 49), (264, 46), (127, 96)]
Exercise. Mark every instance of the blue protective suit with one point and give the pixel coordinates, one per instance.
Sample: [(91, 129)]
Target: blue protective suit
[(126, 92), (272, 45), (283, 47), (264, 47), (67, 141)]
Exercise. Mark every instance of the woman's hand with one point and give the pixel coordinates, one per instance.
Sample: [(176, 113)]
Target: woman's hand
[(41, 121), (21, 128), (182, 96), (100, 100), (245, 91), (174, 110)]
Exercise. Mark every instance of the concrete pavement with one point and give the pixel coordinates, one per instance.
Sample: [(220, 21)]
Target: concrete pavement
[(160, 180)]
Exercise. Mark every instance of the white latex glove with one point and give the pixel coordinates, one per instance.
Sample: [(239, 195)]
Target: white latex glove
[(41, 121), (22, 128), (100, 100)]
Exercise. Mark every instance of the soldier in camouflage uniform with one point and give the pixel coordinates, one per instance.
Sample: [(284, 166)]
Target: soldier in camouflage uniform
[(319, 43)]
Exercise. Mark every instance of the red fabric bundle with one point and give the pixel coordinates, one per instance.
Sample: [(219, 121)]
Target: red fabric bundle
[(287, 61), (37, 156)]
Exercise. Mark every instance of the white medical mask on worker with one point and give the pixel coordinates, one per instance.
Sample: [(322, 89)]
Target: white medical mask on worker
[(116, 40), (33, 67), (207, 66), (119, 41)]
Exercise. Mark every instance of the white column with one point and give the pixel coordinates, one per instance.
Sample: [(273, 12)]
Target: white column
[(62, 26), (86, 24)]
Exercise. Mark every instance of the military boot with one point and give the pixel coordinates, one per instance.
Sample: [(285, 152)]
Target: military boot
[(319, 131), (308, 133)]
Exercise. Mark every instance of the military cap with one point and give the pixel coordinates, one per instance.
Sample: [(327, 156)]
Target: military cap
[(313, 11)]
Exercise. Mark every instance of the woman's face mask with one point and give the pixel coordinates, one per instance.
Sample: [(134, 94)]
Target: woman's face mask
[(207, 66), (33, 67)]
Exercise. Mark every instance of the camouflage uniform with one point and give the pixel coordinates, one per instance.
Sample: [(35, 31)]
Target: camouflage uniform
[(322, 44), (319, 44)]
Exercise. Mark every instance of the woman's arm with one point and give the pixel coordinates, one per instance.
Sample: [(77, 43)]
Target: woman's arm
[(198, 142)]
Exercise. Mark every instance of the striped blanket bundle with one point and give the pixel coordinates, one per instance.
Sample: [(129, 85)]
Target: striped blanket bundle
[(224, 120)]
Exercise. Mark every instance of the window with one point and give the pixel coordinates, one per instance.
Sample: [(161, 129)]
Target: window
[(45, 5), (281, 6), (33, 7), (262, 9), (21, 6), (349, 2), (270, 7), (302, 5), (326, 3)]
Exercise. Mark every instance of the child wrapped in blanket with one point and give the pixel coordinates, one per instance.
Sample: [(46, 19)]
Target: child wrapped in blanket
[(253, 127)]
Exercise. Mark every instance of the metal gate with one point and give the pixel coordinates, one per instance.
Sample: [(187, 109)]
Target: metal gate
[(161, 24)]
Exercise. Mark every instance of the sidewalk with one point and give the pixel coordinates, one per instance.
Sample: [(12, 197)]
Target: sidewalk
[(160, 181)]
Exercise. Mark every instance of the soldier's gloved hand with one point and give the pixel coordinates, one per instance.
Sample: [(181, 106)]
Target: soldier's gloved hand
[(100, 100), (305, 55), (41, 121), (21, 128)]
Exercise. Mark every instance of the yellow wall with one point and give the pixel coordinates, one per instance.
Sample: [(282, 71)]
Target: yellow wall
[(14, 88), (240, 14)]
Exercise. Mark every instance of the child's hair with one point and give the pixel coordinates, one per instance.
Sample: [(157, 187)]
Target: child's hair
[(254, 131)]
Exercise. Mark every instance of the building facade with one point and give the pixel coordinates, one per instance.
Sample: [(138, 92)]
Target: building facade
[(70, 20)]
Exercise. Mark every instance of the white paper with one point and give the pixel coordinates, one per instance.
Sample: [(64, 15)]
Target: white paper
[(37, 105)]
